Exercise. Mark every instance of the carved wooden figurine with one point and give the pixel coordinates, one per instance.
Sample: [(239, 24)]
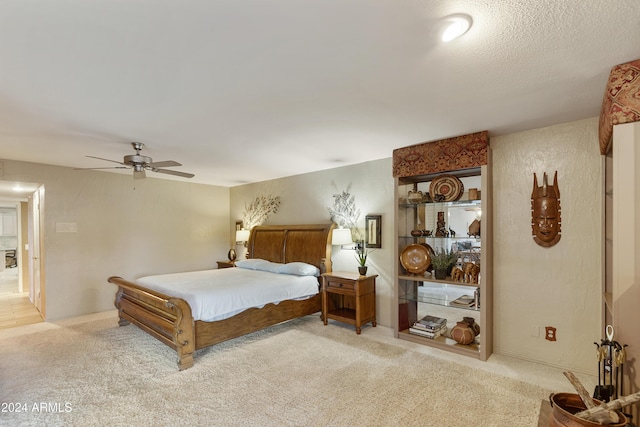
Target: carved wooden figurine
[(457, 275), (471, 272), (474, 228), (545, 211), (441, 230)]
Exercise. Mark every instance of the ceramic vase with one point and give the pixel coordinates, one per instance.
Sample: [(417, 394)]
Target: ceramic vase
[(472, 323), (463, 333), (362, 270)]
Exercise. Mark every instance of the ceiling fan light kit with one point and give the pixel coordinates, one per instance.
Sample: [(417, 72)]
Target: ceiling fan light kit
[(140, 164)]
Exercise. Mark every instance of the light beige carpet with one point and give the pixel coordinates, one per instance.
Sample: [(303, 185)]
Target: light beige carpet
[(301, 373)]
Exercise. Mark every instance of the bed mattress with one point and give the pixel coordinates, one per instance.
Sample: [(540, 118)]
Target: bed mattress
[(222, 293)]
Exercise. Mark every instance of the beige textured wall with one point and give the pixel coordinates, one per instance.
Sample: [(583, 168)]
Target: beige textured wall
[(534, 287), (307, 199), (559, 286), (168, 226), (162, 226)]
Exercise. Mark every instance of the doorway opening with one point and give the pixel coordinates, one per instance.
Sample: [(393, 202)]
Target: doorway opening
[(21, 284)]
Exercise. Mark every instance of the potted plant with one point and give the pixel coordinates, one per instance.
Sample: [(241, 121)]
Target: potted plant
[(441, 260), (361, 257)]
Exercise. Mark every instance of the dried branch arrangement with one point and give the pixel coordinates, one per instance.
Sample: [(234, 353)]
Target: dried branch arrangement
[(259, 210), (345, 213)]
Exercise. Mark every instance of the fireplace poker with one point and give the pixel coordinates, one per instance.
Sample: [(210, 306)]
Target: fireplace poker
[(599, 359)]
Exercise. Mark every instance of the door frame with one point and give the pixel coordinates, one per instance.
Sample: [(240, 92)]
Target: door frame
[(36, 251)]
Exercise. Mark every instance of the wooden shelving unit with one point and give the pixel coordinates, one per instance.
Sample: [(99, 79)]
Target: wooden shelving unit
[(423, 294)]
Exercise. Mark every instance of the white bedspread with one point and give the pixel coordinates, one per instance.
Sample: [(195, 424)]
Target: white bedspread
[(222, 293)]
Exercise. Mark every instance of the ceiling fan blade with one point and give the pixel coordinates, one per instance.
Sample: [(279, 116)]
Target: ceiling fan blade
[(140, 163), (107, 160), (165, 164), (114, 167), (176, 173)]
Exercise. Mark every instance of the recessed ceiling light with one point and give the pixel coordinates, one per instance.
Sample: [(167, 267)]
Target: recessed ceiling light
[(455, 26)]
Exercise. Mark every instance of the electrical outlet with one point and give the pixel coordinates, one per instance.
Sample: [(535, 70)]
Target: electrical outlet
[(550, 334)]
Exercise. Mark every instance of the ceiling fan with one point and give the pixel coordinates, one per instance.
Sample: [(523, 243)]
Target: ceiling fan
[(140, 164)]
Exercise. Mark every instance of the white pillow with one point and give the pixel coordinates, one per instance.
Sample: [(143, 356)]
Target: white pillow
[(295, 268), (271, 267), (251, 264), (299, 269), (259, 264)]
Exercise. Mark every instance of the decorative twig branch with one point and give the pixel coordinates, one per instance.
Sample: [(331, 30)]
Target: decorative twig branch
[(613, 405), (259, 210), (344, 212)]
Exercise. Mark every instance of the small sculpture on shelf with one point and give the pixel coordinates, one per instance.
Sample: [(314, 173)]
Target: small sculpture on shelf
[(441, 229), (471, 272), (457, 275), (474, 228)]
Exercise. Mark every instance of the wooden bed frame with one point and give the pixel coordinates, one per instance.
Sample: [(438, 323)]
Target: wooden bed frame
[(169, 319)]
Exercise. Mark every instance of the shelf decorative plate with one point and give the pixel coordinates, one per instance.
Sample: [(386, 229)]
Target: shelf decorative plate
[(415, 258), (431, 254), (446, 188)]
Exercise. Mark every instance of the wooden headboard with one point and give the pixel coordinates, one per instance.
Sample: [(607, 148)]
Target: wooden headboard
[(310, 243)]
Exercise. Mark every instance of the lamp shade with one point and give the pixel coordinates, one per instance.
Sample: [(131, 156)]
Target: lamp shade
[(242, 235), (341, 236)]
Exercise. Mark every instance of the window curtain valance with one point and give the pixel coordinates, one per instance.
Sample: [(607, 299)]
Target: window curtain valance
[(460, 152), (621, 103)]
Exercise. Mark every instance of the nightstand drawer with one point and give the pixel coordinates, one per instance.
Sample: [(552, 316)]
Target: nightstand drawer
[(346, 285)]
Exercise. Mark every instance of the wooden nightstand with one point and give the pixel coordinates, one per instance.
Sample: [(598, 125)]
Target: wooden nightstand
[(349, 298), (226, 264)]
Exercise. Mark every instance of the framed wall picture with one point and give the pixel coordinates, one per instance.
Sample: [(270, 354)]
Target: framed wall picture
[(373, 231)]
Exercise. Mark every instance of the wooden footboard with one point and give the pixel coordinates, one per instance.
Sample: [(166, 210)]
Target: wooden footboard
[(254, 319), (164, 317)]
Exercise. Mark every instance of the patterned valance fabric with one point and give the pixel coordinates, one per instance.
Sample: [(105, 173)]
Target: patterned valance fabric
[(621, 102), (460, 152)]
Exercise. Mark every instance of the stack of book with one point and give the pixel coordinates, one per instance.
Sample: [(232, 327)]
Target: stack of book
[(464, 301), (429, 326)]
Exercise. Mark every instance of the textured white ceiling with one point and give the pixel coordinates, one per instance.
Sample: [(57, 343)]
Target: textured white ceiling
[(249, 90)]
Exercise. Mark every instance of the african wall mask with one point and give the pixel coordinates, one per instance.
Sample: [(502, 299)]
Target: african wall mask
[(545, 211)]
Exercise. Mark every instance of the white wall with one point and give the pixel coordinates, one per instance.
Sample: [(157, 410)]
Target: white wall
[(560, 286), (306, 199), (160, 226)]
